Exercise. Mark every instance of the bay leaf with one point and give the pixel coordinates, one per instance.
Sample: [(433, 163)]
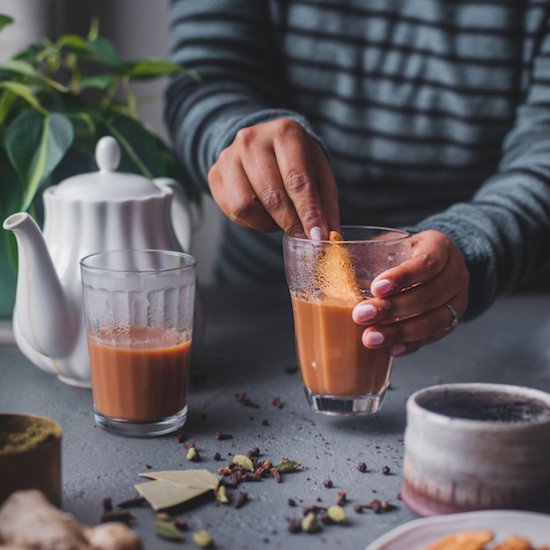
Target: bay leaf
[(170, 488), (191, 478)]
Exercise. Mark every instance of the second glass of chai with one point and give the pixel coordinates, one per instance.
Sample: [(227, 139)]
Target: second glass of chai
[(139, 316), (326, 280)]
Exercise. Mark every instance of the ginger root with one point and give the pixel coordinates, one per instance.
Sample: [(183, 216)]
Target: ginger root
[(29, 521)]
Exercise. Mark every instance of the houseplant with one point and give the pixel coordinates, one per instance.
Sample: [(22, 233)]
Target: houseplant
[(57, 98)]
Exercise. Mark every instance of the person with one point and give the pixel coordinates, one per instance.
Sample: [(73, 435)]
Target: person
[(432, 115)]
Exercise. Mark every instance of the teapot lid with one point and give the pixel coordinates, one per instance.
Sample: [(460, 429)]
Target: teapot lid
[(107, 184)]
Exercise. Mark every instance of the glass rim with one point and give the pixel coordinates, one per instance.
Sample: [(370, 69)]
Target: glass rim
[(403, 234), (191, 261)]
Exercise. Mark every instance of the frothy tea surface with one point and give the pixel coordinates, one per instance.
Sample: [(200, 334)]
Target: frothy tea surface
[(140, 375), (487, 406)]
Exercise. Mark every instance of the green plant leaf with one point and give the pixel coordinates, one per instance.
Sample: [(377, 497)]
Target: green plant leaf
[(98, 82), (139, 148), (10, 189), (5, 20), (24, 92), (74, 42), (150, 68), (24, 68), (35, 145), (103, 51), (93, 33), (29, 53)]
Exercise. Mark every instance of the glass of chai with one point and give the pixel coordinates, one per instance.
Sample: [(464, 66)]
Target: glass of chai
[(326, 280), (138, 306)]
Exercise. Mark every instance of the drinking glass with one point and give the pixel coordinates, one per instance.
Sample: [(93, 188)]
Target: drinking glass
[(326, 279), (138, 306)]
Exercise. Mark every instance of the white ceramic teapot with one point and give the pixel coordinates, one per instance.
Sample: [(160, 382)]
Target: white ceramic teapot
[(88, 213)]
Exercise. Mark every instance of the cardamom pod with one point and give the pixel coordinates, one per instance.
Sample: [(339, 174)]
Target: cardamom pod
[(203, 539), (244, 461)]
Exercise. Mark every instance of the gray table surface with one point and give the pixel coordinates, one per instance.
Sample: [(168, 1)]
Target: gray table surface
[(248, 344)]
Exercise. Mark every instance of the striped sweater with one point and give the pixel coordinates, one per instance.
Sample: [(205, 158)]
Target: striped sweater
[(435, 115)]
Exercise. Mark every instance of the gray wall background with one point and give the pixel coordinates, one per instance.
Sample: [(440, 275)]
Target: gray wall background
[(139, 28)]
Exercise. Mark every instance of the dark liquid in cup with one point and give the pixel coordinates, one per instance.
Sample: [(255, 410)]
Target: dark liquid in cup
[(487, 406)]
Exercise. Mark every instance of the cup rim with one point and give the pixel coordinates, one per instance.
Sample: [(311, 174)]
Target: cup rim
[(190, 260), (415, 408), (403, 234)]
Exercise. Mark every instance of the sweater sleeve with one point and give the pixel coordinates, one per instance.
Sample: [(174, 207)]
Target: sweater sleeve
[(229, 43), (504, 231)]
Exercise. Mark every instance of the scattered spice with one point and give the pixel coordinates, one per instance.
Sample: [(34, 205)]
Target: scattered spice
[(277, 402), (376, 505), (203, 539), (294, 525), (131, 503), (362, 467), (244, 461), (310, 524), (148, 466), (291, 502), (182, 436), (337, 514), (314, 509), (221, 495), (193, 454), (107, 504), (276, 474), (342, 498), (286, 466), (254, 452), (222, 437), (217, 456), (328, 484), (189, 444), (181, 524), (245, 400), (166, 528), (265, 422), (242, 499), (386, 470), (118, 515)]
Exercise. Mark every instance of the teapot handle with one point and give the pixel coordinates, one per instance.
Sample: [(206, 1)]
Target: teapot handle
[(185, 218)]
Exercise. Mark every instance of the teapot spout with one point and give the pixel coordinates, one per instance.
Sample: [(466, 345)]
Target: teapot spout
[(42, 310)]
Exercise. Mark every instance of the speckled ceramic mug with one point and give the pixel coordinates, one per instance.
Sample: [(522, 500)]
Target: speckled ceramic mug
[(477, 446)]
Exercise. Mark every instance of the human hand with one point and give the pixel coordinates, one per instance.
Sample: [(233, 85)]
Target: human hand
[(275, 175), (418, 301)]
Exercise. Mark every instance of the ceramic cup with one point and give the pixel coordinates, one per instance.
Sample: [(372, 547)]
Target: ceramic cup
[(477, 446), (326, 280), (30, 455), (139, 317)]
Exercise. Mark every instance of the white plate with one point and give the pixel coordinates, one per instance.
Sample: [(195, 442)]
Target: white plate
[(418, 534)]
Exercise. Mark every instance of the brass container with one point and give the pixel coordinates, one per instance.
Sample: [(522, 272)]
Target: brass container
[(30, 455)]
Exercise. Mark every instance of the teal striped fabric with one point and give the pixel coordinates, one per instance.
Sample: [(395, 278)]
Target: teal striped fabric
[(435, 114)]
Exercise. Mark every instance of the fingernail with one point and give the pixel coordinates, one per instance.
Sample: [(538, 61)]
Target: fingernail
[(364, 312), (374, 338), (398, 349), (315, 234), (381, 287)]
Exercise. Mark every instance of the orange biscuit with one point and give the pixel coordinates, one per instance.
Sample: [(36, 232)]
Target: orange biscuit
[(467, 540)]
